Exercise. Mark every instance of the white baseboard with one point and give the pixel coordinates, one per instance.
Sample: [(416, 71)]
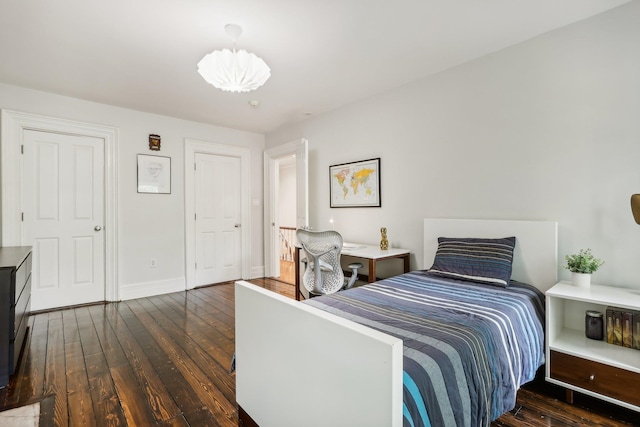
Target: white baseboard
[(148, 289), (257, 272)]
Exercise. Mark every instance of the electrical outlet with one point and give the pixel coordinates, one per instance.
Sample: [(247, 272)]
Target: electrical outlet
[(153, 263)]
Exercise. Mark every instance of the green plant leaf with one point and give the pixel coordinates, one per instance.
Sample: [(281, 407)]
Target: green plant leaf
[(583, 262)]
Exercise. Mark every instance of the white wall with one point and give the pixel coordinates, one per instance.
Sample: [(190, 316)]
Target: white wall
[(150, 226), (287, 195), (545, 130)]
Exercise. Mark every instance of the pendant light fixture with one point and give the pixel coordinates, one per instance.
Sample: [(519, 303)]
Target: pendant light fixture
[(234, 70)]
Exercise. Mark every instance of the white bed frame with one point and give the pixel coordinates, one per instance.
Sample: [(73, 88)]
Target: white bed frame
[(297, 365)]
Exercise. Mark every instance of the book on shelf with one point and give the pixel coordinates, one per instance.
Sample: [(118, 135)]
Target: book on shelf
[(636, 330), (617, 327), (627, 332), (609, 324), (622, 327)]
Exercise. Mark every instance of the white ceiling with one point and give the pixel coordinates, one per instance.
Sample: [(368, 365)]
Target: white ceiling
[(323, 54)]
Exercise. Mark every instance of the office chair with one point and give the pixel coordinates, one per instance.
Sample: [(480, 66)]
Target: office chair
[(323, 249)]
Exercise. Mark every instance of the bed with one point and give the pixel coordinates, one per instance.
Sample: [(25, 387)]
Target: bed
[(337, 361)]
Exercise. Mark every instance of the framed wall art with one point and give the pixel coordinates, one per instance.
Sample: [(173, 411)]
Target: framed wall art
[(356, 184), (154, 174), (154, 142)]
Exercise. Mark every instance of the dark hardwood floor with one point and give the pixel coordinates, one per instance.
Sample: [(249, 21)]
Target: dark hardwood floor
[(164, 361)]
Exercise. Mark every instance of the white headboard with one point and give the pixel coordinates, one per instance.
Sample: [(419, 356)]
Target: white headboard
[(535, 255)]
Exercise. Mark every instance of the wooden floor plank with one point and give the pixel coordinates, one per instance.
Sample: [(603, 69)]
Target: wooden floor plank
[(20, 384), (55, 382), (199, 347), (78, 396), (102, 316), (222, 409), (33, 375), (136, 410), (106, 402), (162, 361), (178, 421), (217, 373), (213, 342), (559, 412), (212, 297), (214, 317), (124, 384), (186, 398), (87, 331), (155, 392)]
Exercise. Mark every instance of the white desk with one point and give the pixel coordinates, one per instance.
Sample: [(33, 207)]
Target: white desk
[(372, 254)]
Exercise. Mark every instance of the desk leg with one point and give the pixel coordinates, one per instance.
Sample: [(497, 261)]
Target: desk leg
[(296, 269), (372, 270), (407, 263)]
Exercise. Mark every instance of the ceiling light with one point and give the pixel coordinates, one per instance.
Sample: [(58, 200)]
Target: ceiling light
[(234, 71)]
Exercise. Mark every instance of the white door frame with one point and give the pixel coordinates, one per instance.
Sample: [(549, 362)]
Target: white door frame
[(271, 197), (14, 123), (191, 147)]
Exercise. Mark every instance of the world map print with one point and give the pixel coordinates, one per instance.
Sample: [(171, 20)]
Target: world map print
[(355, 184)]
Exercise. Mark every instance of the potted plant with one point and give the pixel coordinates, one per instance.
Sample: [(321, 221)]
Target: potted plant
[(581, 266)]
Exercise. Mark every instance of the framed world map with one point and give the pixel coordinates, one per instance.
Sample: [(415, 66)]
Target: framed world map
[(356, 184)]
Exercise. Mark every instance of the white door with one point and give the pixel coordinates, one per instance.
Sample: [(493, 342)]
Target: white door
[(217, 219), (63, 207)]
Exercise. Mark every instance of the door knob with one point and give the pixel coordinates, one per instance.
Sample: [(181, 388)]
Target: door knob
[(237, 225), (97, 228)]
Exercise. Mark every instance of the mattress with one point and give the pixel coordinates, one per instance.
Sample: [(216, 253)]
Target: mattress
[(467, 347)]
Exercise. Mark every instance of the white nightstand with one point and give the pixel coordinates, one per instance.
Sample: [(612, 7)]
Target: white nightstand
[(596, 368)]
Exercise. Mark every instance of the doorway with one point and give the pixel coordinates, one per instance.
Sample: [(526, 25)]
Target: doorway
[(284, 159), (214, 158), (62, 191), (217, 218), (15, 125), (286, 217)]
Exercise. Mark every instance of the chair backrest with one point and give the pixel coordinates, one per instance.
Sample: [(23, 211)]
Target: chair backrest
[(323, 274)]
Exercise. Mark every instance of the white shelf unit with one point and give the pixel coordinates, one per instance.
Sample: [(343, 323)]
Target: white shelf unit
[(565, 327)]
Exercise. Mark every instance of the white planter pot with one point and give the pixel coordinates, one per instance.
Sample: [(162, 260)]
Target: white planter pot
[(581, 280)]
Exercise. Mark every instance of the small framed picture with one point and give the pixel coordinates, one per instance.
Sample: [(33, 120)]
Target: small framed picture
[(355, 185), (154, 174), (154, 142)]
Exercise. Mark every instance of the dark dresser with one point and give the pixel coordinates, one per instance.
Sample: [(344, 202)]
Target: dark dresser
[(15, 296)]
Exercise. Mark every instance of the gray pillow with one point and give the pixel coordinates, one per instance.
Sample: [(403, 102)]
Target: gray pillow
[(479, 260)]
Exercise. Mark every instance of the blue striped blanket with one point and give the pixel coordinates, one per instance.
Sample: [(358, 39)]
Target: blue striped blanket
[(467, 347)]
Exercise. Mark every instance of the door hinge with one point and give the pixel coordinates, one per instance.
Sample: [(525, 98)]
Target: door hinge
[(22, 149), (195, 166), (22, 216), (195, 216), (196, 265)]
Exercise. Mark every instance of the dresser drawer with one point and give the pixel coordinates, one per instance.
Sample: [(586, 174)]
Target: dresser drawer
[(22, 309), (23, 273), (20, 336), (602, 379)]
